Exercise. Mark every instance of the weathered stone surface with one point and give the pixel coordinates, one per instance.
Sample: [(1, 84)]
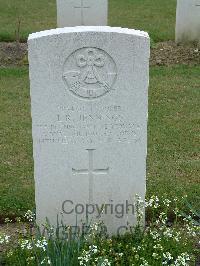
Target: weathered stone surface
[(188, 21), (82, 12), (89, 90)]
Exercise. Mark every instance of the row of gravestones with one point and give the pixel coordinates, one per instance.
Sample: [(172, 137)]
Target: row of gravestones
[(89, 106), (90, 12)]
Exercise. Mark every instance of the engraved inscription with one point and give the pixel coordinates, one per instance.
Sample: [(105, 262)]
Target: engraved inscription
[(89, 125), (91, 172), (89, 73)]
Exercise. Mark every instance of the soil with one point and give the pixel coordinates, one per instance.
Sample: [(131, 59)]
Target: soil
[(169, 53), (14, 230), (162, 54), (13, 54)]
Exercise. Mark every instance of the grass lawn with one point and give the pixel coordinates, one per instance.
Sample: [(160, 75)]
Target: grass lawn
[(172, 147), (155, 16), (16, 173)]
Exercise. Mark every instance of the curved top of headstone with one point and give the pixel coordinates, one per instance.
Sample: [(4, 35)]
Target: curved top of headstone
[(88, 29)]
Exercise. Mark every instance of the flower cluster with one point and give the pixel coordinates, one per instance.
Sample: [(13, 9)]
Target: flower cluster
[(30, 244), (182, 260), (8, 220), (26, 244), (46, 260), (29, 216), (153, 202), (159, 243), (4, 239), (86, 255), (140, 205), (42, 244)]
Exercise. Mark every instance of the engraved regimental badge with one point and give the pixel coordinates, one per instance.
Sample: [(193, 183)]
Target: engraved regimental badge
[(89, 73)]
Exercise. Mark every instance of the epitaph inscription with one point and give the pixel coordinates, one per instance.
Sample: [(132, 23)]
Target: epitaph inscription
[(89, 73)]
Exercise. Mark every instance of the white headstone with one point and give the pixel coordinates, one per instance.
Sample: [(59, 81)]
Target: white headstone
[(89, 88), (82, 12), (188, 21)]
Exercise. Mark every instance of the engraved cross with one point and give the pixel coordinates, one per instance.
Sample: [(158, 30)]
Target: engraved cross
[(82, 7), (91, 172)]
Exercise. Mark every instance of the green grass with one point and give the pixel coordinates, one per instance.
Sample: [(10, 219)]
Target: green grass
[(173, 160), (155, 16), (16, 173)]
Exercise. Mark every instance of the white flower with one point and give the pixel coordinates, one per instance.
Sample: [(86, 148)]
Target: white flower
[(154, 235), (162, 218), (192, 230), (156, 203), (29, 246), (105, 263), (41, 244), (144, 262), (168, 233), (177, 237), (158, 246), (167, 256), (9, 254), (166, 202), (149, 203), (4, 239), (153, 202), (182, 260), (84, 258), (139, 199), (29, 260), (18, 219), (29, 215), (176, 211), (26, 244), (46, 260), (93, 249), (8, 220), (155, 255)]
